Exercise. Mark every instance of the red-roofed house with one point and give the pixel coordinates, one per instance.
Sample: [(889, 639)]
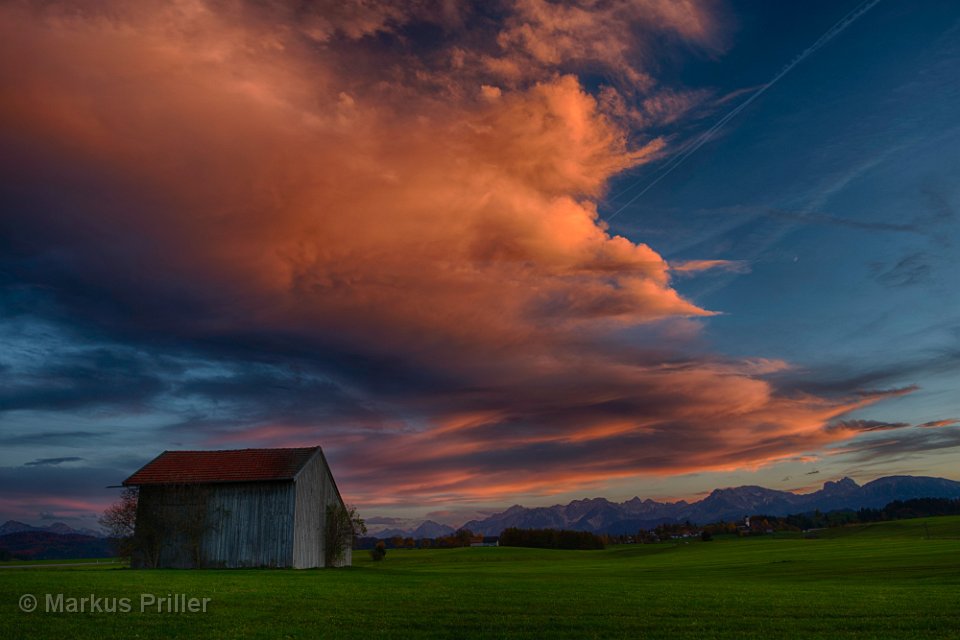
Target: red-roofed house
[(241, 508)]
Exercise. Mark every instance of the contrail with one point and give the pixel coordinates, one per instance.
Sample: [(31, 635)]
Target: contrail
[(830, 34)]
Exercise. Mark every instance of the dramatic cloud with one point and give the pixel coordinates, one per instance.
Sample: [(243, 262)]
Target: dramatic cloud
[(901, 447), (282, 230)]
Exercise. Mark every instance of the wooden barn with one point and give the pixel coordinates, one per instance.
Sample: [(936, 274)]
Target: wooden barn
[(240, 508)]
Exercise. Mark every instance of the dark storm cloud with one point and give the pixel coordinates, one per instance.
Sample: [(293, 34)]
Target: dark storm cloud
[(40, 462), (283, 391), (840, 378), (53, 438), (90, 377)]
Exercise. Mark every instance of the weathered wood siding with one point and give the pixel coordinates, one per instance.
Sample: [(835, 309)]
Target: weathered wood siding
[(167, 531), (252, 525), (228, 525), (315, 489)]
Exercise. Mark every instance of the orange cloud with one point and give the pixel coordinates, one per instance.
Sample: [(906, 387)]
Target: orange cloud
[(689, 267), (539, 35)]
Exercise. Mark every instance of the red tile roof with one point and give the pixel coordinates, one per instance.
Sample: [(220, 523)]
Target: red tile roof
[(239, 465)]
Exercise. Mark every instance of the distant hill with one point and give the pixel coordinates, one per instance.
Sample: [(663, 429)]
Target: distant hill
[(51, 542), (47, 545), (599, 515)]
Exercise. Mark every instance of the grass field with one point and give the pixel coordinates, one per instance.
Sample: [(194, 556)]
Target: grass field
[(891, 580)]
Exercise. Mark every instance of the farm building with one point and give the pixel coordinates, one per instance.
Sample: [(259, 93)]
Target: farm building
[(241, 508)]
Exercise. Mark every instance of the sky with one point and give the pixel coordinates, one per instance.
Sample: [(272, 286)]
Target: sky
[(486, 253)]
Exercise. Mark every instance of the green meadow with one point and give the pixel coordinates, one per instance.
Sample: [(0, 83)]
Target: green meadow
[(890, 580)]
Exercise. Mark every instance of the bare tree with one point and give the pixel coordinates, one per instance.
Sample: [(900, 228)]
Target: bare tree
[(119, 520)]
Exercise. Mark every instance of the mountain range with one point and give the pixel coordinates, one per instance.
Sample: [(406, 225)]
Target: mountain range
[(56, 541), (13, 526), (427, 529), (599, 515)]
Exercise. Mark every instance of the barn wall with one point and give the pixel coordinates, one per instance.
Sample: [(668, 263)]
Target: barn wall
[(167, 533), (215, 525), (314, 491), (253, 525)]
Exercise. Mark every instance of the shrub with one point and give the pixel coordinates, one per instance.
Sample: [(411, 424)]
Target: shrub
[(342, 528)]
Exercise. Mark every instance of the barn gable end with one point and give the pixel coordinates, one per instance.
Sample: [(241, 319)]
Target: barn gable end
[(315, 491)]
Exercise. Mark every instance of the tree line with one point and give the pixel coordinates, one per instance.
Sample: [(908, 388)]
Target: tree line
[(512, 537), (460, 538), (550, 539)]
